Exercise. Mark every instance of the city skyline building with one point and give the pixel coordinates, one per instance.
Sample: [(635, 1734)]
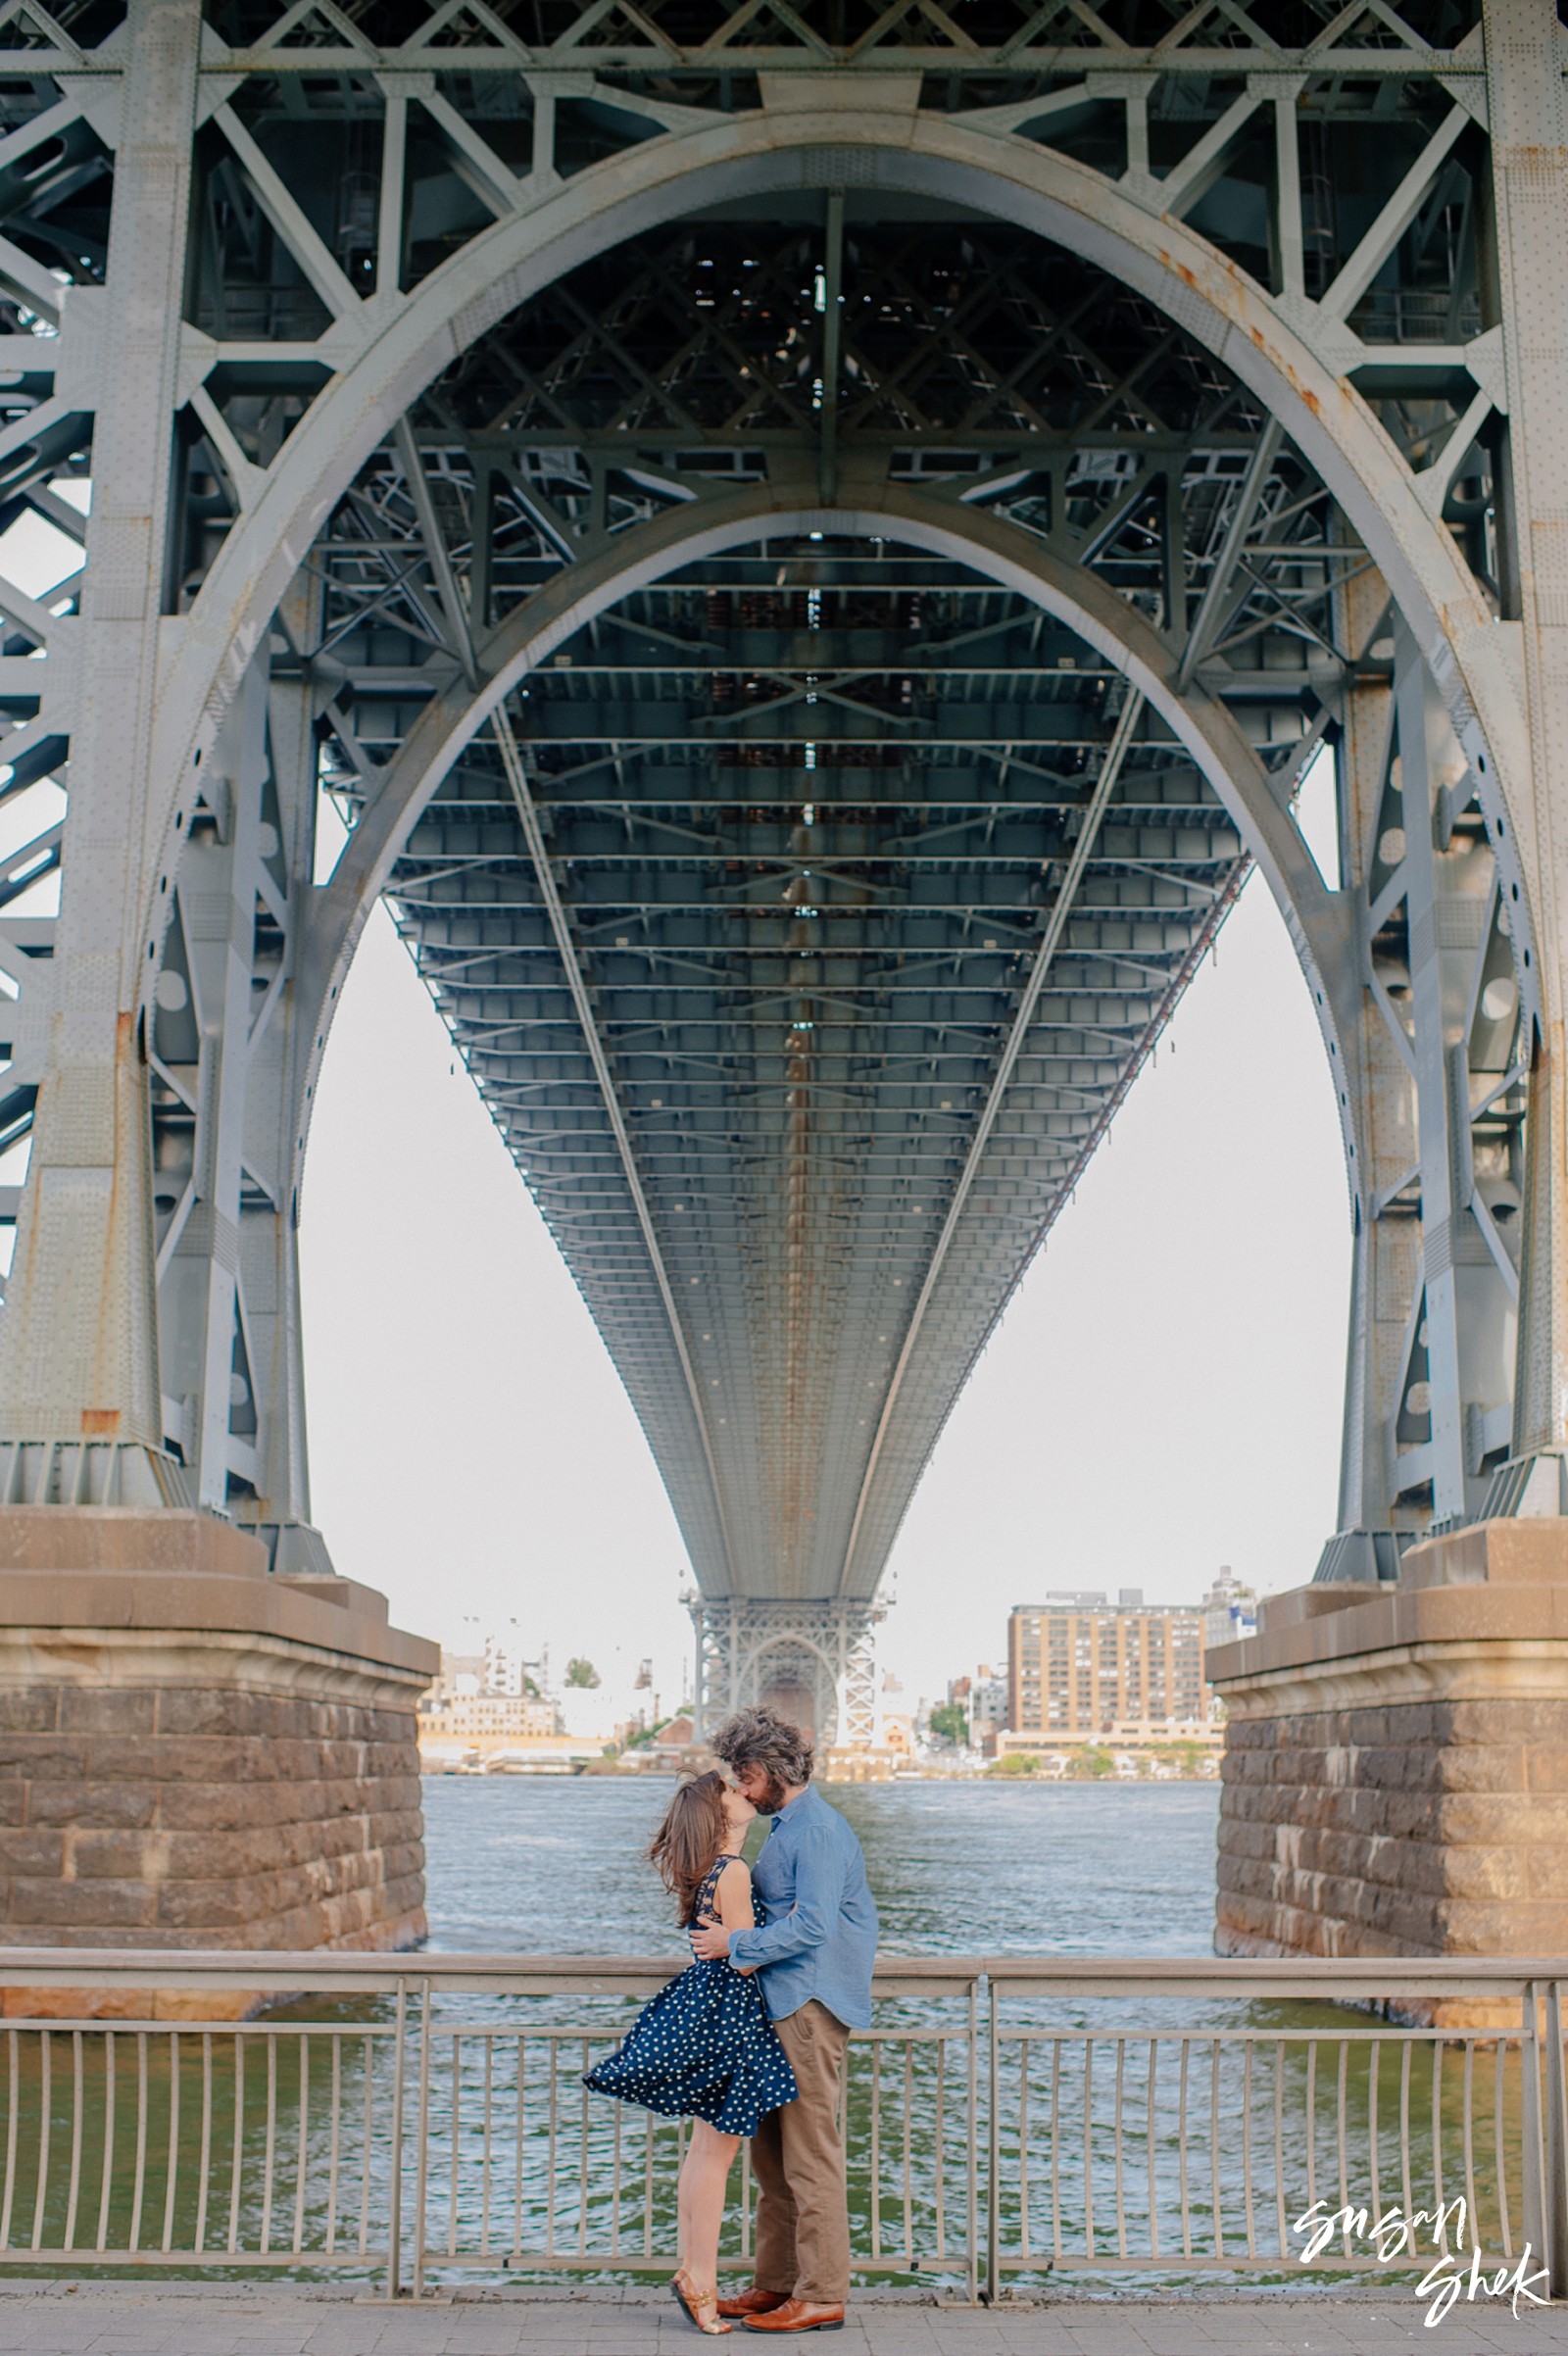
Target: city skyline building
[(1080, 1665)]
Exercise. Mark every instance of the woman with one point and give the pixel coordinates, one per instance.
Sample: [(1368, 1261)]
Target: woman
[(703, 2049)]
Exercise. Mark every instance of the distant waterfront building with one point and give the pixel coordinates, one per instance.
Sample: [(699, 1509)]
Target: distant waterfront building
[(983, 1699), (1079, 1664), (1230, 1611)]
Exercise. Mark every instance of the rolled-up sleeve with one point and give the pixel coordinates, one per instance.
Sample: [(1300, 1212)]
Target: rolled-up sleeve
[(820, 1881)]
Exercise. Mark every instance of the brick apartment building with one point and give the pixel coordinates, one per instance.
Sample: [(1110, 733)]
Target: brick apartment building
[(1081, 1666)]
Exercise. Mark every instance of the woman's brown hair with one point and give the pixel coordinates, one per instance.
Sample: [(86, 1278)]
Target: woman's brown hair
[(694, 1831)]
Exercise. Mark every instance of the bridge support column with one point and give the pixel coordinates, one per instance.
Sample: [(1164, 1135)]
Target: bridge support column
[(194, 1753), (814, 1662), (1395, 1773)]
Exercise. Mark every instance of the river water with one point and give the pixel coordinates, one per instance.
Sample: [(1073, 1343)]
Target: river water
[(554, 1865)]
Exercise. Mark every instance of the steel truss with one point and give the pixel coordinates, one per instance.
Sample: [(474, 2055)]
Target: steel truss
[(817, 1660), (808, 665)]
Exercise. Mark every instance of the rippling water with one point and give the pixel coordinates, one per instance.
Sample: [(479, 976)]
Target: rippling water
[(554, 1865)]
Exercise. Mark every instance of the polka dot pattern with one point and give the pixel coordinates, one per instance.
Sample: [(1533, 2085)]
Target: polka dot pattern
[(704, 2048)]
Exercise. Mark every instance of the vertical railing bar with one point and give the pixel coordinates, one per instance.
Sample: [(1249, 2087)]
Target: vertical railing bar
[(1213, 2145), (745, 2201), (1405, 2122), (334, 2144), (1470, 2140), (941, 2187), (983, 1991), (876, 2202), (1373, 2084), (516, 2165), (1436, 2144), (367, 2143), (399, 2062), (909, 2153), (455, 2114), (1151, 2144), (269, 2145), (1025, 2056), (204, 2160), (1089, 2145), (78, 2104), (1055, 2151), (238, 2165), (303, 2141), (488, 2114), (45, 2123), (1181, 2153), (1497, 2148), (648, 2184), (1121, 2210), (1342, 2105), (1311, 2122), (616, 2124), (141, 2139), (550, 2151), (582, 2153), (1247, 2148), (422, 2156), (13, 2118), (13, 2112), (1533, 2190), (1554, 2238), (172, 2185), (1278, 2144)]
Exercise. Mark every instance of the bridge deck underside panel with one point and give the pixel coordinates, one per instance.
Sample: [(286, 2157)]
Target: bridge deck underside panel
[(820, 897), (805, 891)]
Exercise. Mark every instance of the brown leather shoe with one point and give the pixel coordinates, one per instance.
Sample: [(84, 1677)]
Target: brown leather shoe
[(753, 2302), (798, 2314)]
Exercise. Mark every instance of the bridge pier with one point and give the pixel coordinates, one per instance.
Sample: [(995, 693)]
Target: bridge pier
[(195, 1751), (1395, 1771)]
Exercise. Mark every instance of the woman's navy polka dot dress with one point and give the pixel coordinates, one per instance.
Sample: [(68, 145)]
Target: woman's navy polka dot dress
[(704, 2047)]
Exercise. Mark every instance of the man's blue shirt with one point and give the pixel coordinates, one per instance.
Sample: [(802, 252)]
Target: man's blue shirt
[(819, 1937)]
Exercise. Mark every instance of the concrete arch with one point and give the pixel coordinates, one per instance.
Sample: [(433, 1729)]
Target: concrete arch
[(1318, 920), (897, 148)]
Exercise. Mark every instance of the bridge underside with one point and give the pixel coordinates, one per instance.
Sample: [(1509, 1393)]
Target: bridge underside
[(815, 549), (876, 881)]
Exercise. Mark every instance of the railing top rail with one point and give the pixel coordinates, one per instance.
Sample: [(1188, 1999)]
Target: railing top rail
[(1081, 1976)]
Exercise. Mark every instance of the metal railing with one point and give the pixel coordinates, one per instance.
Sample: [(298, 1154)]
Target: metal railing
[(1004, 2117)]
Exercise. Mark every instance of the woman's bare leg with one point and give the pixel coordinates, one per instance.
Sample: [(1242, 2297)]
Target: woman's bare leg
[(704, 2174)]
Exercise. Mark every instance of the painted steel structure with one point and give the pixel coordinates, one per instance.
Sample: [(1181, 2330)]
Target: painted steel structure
[(814, 545)]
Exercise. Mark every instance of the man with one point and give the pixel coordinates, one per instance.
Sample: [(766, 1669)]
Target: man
[(814, 1953)]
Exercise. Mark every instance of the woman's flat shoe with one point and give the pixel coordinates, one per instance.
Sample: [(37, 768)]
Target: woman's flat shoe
[(699, 2311)]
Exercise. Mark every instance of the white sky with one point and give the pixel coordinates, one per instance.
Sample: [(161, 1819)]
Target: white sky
[(1163, 1395)]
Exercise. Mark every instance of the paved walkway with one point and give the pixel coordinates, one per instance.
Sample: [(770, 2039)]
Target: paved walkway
[(211, 2320)]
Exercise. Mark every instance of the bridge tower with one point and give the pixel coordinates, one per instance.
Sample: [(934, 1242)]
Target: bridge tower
[(812, 549)]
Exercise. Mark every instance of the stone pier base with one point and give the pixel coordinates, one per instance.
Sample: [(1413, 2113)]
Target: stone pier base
[(195, 1752), (1396, 1770)]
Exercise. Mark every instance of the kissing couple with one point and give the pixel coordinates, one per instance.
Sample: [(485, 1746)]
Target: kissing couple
[(750, 2039)]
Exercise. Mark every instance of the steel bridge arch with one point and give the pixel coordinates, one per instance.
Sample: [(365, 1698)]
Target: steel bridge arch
[(899, 149), (1318, 920)]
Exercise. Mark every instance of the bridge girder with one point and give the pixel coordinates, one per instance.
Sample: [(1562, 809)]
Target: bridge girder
[(481, 398)]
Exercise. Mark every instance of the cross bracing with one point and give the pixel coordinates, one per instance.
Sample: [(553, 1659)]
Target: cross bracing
[(751, 508), (813, 810)]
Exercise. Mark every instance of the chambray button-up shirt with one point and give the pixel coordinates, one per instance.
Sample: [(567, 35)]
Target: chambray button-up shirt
[(819, 1937)]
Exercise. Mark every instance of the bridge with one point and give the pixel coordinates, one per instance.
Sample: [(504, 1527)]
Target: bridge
[(814, 546)]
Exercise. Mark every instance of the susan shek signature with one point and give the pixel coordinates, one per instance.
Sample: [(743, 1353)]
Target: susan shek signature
[(1397, 2233)]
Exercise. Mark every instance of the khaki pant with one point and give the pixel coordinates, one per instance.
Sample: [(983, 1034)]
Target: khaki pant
[(802, 2223)]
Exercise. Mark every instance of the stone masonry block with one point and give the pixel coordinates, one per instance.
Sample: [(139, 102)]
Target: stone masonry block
[(106, 1710), (28, 1709)]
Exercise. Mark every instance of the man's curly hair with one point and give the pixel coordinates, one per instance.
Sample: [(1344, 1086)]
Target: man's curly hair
[(760, 1737)]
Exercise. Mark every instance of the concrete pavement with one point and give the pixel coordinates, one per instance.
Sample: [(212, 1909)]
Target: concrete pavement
[(142, 2319)]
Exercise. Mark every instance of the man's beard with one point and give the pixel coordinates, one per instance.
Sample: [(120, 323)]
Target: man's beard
[(772, 1799)]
